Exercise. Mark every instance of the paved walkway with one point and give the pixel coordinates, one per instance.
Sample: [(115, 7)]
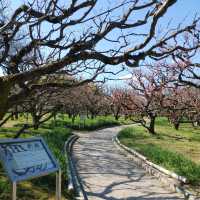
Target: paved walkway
[(108, 174)]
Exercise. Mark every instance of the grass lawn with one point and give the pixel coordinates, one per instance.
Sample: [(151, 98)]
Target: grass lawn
[(62, 120), (42, 188), (178, 151), (55, 134)]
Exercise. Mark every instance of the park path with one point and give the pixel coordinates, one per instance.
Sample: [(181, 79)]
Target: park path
[(108, 174)]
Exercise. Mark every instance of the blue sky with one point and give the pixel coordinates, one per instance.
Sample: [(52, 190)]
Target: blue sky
[(183, 9), (178, 11)]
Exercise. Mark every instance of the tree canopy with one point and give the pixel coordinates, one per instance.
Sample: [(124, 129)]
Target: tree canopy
[(45, 37)]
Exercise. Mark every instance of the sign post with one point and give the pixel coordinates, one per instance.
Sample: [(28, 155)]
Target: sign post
[(58, 185), (14, 191), (25, 159)]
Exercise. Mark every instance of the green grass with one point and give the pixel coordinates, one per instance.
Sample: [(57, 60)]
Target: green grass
[(177, 151), (88, 124), (44, 187)]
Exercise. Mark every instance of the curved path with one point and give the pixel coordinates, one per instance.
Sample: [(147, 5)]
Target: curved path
[(108, 174)]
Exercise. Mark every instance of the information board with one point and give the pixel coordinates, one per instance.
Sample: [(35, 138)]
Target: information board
[(26, 158)]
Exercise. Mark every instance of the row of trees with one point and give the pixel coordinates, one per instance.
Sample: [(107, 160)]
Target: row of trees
[(80, 37), (89, 99), (157, 92), (150, 93)]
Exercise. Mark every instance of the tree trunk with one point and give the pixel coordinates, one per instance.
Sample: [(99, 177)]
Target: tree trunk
[(5, 120), (88, 115), (73, 118), (16, 115), (3, 109), (36, 126), (5, 86), (36, 121), (176, 125), (151, 128), (117, 117), (92, 116), (69, 115), (24, 127)]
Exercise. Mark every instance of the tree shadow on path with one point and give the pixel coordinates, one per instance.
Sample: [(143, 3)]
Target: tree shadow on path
[(108, 174)]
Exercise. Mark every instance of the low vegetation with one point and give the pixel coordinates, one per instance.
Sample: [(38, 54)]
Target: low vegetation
[(176, 150), (62, 69), (89, 124), (41, 188), (55, 133)]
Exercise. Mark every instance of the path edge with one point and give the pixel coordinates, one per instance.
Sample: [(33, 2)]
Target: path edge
[(168, 178), (75, 186)]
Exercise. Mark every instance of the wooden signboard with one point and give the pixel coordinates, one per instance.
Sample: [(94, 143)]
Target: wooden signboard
[(24, 159)]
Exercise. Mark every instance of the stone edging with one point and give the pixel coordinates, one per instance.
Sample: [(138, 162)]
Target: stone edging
[(168, 178), (74, 183)]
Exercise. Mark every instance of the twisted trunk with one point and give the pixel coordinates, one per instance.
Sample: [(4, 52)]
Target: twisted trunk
[(151, 127), (5, 87), (176, 125), (36, 121), (5, 120)]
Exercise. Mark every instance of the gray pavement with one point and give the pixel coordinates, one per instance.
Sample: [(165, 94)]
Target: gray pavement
[(108, 174)]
